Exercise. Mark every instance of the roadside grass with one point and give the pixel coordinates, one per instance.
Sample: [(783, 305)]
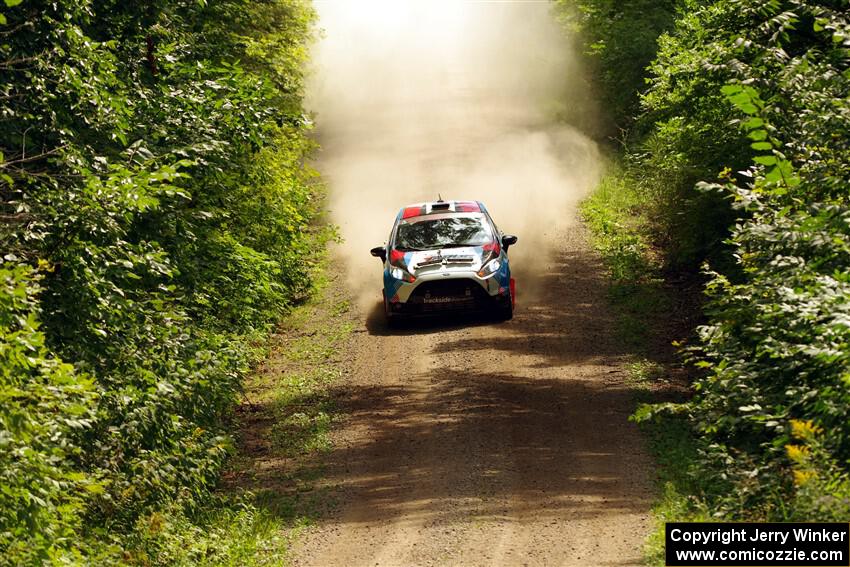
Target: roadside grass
[(613, 213), (670, 442), (616, 214), (289, 411), (272, 487), (231, 530)]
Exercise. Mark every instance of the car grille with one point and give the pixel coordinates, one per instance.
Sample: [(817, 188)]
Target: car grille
[(449, 295)]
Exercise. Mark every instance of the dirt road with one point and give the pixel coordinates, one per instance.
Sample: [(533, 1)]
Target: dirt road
[(472, 443), (481, 443)]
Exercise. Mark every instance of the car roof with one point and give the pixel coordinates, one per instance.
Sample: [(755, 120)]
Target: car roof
[(435, 207)]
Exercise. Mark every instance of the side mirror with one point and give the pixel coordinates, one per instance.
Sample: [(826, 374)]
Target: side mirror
[(508, 240), (379, 252)]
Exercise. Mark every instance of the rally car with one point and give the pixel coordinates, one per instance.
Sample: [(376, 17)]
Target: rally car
[(446, 256)]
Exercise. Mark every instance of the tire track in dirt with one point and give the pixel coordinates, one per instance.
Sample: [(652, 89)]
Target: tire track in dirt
[(479, 443)]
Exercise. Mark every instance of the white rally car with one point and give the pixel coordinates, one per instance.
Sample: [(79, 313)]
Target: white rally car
[(446, 256)]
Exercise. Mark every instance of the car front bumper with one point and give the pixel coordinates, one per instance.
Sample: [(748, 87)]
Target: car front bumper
[(447, 292)]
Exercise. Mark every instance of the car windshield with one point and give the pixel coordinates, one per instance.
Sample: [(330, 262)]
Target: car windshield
[(443, 231)]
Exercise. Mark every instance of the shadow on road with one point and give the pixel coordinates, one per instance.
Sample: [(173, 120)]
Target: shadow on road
[(376, 323), (480, 442)]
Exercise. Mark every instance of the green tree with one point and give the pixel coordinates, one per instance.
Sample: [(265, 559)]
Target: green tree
[(152, 163)]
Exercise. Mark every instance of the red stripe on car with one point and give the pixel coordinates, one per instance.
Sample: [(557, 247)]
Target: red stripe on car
[(396, 256), (493, 247), (467, 207)]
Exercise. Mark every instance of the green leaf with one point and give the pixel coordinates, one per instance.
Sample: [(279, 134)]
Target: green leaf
[(12, 3), (748, 108), (774, 175), (95, 488), (765, 160), (760, 146)]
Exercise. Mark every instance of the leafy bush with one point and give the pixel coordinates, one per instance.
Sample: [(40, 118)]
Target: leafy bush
[(777, 351), (44, 408), (823, 486), (742, 154), (621, 38), (151, 161), (776, 347), (688, 131)]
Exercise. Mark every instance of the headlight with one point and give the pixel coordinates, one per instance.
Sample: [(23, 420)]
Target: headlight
[(402, 274), (489, 269)]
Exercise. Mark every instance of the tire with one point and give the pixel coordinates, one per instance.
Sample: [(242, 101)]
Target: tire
[(390, 318), (506, 310)]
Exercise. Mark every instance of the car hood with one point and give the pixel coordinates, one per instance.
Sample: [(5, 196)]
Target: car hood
[(467, 258)]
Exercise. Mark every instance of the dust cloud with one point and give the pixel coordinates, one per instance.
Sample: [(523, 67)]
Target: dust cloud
[(464, 100)]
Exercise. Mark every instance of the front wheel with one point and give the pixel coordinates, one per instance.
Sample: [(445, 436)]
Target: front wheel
[(389, 317), (506, 309)]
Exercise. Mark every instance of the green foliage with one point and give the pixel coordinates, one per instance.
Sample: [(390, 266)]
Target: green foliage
[(693, 133), (614, 213), (621, 234), (228, 533), (620, 36), (44, 408), (823, 486), (777, 343), (743, 159), (151, 160), (671, 443), (775, 349)]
